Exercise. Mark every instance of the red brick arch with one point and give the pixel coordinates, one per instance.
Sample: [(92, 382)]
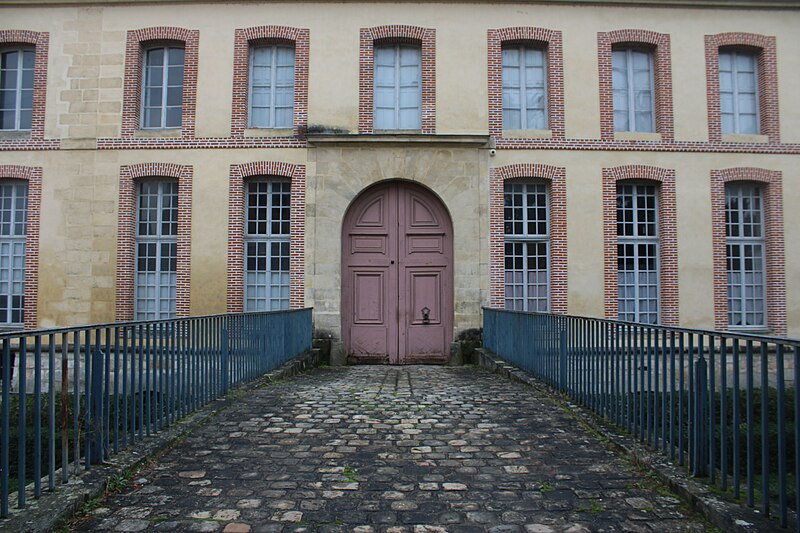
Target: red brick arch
[(765, 48), (244, 38), (40, 41), (32, 175), (126, 234), (426, 38), (236, 217), (667, 231), (558, 230), (774, 252), (552, 42), (131, 99), (662, 76)]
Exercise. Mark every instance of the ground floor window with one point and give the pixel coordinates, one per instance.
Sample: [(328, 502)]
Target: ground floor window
[(267, 245), (527, 243), (13, 230), (744, 233), (637, 253), (156, 250)]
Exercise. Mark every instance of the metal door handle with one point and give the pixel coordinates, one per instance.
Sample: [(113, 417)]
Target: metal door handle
[(426, 318)]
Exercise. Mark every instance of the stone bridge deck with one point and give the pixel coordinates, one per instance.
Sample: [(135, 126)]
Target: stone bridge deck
[(395, 449)]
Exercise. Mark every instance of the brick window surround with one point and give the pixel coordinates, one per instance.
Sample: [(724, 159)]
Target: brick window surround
[(550, 41), (659, 44), (557, 178), (667, 238), (764, 48), (247, 37), (775, 296), (40, 42), (236, 220), (33, 175), (137, 41), (425, 38), (129, 176)]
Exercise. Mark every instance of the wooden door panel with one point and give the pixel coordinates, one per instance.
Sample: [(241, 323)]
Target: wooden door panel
[(397, 252)]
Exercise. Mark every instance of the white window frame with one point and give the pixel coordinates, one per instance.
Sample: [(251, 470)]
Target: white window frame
[(18, 90), (267, 301), (735, 92), (13, 246), (630, 89), (158, 239), (528, 240), (523, 88), (272, 87), (750, 190), (163, 107), (635, 241), (397, 88)]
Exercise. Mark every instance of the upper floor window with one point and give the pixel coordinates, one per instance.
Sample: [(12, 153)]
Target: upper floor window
[(527, 246), (738, 92), (162, 91), (16, 88), (632, 85), (267, 245), (398, 87), (13, 231), (744, 232), (637, 253), (524, 88), (156, 250), (271, 86)]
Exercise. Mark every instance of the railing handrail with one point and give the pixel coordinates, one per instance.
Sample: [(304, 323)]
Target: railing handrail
[(677, 329), (133, 323)]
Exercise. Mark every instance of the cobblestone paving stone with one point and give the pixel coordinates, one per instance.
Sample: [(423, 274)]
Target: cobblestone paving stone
[(419, 449)]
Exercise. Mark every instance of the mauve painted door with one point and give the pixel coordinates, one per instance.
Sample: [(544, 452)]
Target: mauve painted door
[(397, 289)]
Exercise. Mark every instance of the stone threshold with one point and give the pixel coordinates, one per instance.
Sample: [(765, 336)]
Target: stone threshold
[(727, 515), (44, 514)]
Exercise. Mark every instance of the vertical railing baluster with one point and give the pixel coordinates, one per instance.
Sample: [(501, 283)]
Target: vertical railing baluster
[(126, 376), (87, 397), (735, 429), (723, 412), (651, 419), (116, 389), (148, 390), (672, 416), (22, 436), (712, 416), (681, 399), (796, 391), (690, 401), (51, 413), (765, 492), (107, 395), (6, 427), (37, 416), (781, 416), (750, 421)]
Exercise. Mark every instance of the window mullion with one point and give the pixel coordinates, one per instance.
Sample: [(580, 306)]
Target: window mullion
[(523, 111), (18, 96), (735, 92), (631, 90), (273, 85), (164, 90), (397, 86)]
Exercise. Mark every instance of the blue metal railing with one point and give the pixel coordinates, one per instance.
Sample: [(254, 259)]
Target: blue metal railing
[(73, 396), (724, 405)]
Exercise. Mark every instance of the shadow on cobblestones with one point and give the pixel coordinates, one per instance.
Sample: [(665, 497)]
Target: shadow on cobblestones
[(396, 449)]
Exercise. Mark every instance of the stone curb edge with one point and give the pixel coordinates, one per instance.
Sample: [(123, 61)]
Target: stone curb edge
[(52, 508), (726, 515)]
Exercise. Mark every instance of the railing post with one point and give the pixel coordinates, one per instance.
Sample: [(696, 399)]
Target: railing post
[(95, 426), (562, 359), (700, 441), (225, 360)]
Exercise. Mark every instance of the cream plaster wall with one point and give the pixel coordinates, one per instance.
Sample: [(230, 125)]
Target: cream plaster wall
[(91, 41), (84, 100)]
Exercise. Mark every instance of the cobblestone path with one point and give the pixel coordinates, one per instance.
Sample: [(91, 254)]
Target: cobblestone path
[(396, 449)]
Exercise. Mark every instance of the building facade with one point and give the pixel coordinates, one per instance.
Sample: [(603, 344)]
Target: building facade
[(399, 166)]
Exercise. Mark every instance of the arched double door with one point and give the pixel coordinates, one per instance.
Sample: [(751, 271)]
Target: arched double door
[(397, 276)]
